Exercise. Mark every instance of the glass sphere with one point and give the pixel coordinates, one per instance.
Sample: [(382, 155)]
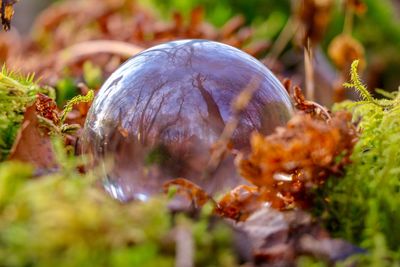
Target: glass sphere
[(158, 115)]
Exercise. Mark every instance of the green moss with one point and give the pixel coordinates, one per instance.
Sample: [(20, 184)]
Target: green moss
[(16, 93), (363, 207), (64, 219), (75, 100)]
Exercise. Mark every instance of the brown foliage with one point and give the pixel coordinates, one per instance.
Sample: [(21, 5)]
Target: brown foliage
[(122, 23), (41, 120), (192, 192), (316, 110), (288, 164), (239, 203), (33, 143), (284, 168), (47, 108)]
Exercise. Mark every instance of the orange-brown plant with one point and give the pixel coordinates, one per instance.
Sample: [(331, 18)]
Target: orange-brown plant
[(285, 167), (288, 165)]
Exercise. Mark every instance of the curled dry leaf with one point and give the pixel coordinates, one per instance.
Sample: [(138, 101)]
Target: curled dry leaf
[(286, 166), (78, 51), (316, 110), (192, 192)]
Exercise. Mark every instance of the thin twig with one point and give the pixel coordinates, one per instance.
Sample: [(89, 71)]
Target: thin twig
[(309, 72), (184, 246), (348, 21), (283, 39), (238, 105)]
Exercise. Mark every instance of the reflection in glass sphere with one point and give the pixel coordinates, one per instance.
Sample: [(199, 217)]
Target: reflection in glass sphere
[(158, 115)]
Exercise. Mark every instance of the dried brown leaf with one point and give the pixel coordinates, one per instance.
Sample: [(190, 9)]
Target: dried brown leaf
[(32, 144), (288, 164), (280, 238), (190, 191), (316, 110), (239, 203)]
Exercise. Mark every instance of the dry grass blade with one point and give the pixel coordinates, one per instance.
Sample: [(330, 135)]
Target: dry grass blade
[(184, 246), (309, 72), (232, 26)]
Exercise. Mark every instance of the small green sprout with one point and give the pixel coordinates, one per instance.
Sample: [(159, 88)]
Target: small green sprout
[(75, 100), (358, 85)]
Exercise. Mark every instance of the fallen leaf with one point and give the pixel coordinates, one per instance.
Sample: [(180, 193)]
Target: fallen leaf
[(33, 144), (279, 238)]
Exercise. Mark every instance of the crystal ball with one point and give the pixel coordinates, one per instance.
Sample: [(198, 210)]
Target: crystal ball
[(158, 116)]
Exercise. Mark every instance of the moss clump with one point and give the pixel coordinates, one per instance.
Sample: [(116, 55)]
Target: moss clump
[(65, 220), (364, 206), (16, 92)]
